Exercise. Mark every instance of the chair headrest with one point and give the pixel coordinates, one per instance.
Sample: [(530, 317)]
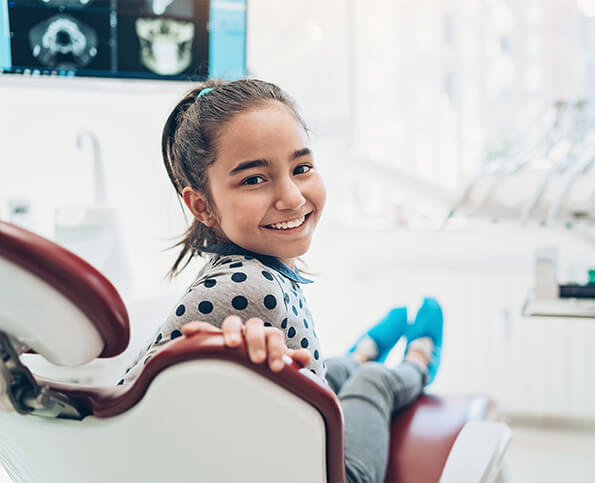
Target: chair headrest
[(41, 276)]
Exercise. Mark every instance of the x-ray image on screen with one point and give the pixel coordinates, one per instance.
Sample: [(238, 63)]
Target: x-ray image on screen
[(165, 44), (63, 42), (169, 44), (60, 38), (142, 39)]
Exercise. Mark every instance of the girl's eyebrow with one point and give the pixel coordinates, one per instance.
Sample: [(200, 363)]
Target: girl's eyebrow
[(299, 153), (244, 165), (256, 163)]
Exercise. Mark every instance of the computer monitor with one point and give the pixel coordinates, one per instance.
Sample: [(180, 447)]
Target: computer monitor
[(140, 39)]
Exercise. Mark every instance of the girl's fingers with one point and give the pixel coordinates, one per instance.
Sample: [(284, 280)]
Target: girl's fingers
[(275, 348), (197, 326), (255, 340), (301, 356), (264, 343), (232, 331)]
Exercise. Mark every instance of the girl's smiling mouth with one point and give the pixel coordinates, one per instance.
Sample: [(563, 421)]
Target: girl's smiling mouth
[(289, 225)]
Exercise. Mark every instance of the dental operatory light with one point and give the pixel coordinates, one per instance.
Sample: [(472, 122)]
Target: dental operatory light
[(587, 7)]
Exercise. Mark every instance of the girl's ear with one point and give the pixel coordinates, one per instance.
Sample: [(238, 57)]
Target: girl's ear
[(197, 204)]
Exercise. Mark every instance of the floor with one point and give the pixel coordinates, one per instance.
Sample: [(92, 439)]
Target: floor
[(539, 454), (552, 455)]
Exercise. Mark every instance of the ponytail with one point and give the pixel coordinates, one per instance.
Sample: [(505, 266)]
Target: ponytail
[(197, 236)]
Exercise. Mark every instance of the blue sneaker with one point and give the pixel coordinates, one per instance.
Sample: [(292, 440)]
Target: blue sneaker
[(428, 323), (386, 333)]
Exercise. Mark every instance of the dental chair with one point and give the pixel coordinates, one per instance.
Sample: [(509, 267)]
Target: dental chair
[(198, 412)]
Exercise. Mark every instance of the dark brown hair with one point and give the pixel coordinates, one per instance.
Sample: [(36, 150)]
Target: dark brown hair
[(189, 144)]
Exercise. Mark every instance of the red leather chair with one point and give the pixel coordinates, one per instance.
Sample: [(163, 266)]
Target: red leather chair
[(198, 411)]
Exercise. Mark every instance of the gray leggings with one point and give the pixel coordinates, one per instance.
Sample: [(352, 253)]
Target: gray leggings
[(370, 394)]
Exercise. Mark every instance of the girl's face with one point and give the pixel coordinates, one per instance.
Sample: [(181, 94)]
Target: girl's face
[(267, 194)]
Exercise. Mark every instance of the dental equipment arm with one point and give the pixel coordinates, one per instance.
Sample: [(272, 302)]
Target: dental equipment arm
[(573, 144), (555, 208), (511, 164)]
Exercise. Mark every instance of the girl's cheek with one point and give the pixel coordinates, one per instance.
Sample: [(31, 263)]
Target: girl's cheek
[(322, 192)]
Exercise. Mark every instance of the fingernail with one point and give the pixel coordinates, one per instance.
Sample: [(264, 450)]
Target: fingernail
[(276, 365), (258, 356), (234, 339)]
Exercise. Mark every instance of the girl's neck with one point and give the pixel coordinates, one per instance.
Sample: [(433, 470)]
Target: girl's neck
[(290, 262)]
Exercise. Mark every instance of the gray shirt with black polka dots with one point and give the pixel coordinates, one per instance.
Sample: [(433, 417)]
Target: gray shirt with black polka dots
[(238, 282)]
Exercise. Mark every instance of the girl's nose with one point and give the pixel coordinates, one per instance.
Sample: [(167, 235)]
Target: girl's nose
[(289, 196)]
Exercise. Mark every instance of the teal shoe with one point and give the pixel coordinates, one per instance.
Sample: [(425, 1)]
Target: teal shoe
[(386, 333), (428, 322)]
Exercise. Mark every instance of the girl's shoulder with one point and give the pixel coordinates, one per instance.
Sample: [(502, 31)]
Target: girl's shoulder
[(233, 284)]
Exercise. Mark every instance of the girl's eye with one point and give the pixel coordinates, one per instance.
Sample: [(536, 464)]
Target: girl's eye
[(302, 169), (253, 180)]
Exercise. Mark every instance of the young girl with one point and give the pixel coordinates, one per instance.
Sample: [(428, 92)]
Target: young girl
[(238, 155)]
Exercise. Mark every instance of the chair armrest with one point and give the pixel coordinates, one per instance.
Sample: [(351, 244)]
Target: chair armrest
[(477, 453)]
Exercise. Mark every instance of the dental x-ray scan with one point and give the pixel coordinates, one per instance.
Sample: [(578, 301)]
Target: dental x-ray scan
[(152, 39)]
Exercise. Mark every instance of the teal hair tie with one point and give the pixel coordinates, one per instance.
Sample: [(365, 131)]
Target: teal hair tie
[(206, 90)]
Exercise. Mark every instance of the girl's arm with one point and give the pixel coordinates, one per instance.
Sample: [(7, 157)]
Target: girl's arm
[(264, 343)]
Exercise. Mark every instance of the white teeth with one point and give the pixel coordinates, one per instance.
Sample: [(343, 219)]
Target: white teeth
[(288, 224)]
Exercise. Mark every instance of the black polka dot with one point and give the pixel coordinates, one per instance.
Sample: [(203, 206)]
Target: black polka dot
[(304, 342), (158, 339), (267, 275), (316, 355), (120, 382), (147, 360), (236, 265), (249, 257), (294, 292), (284, 323), (282, 279), (324, 364), (205, 307), (176, 333), (301, 305), (180, 310), (128, 370), (314, 332), (210, 283), (294, 310), (270, 302), (305, 323), (286, 298), (312, 371), (239, 302), (225, 260), (239, 277), (268, 324), (291, 332)]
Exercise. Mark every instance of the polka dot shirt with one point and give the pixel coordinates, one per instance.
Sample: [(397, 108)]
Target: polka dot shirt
[(247, 286)]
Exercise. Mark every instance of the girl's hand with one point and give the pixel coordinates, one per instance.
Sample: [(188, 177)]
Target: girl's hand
[(264, 343)]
